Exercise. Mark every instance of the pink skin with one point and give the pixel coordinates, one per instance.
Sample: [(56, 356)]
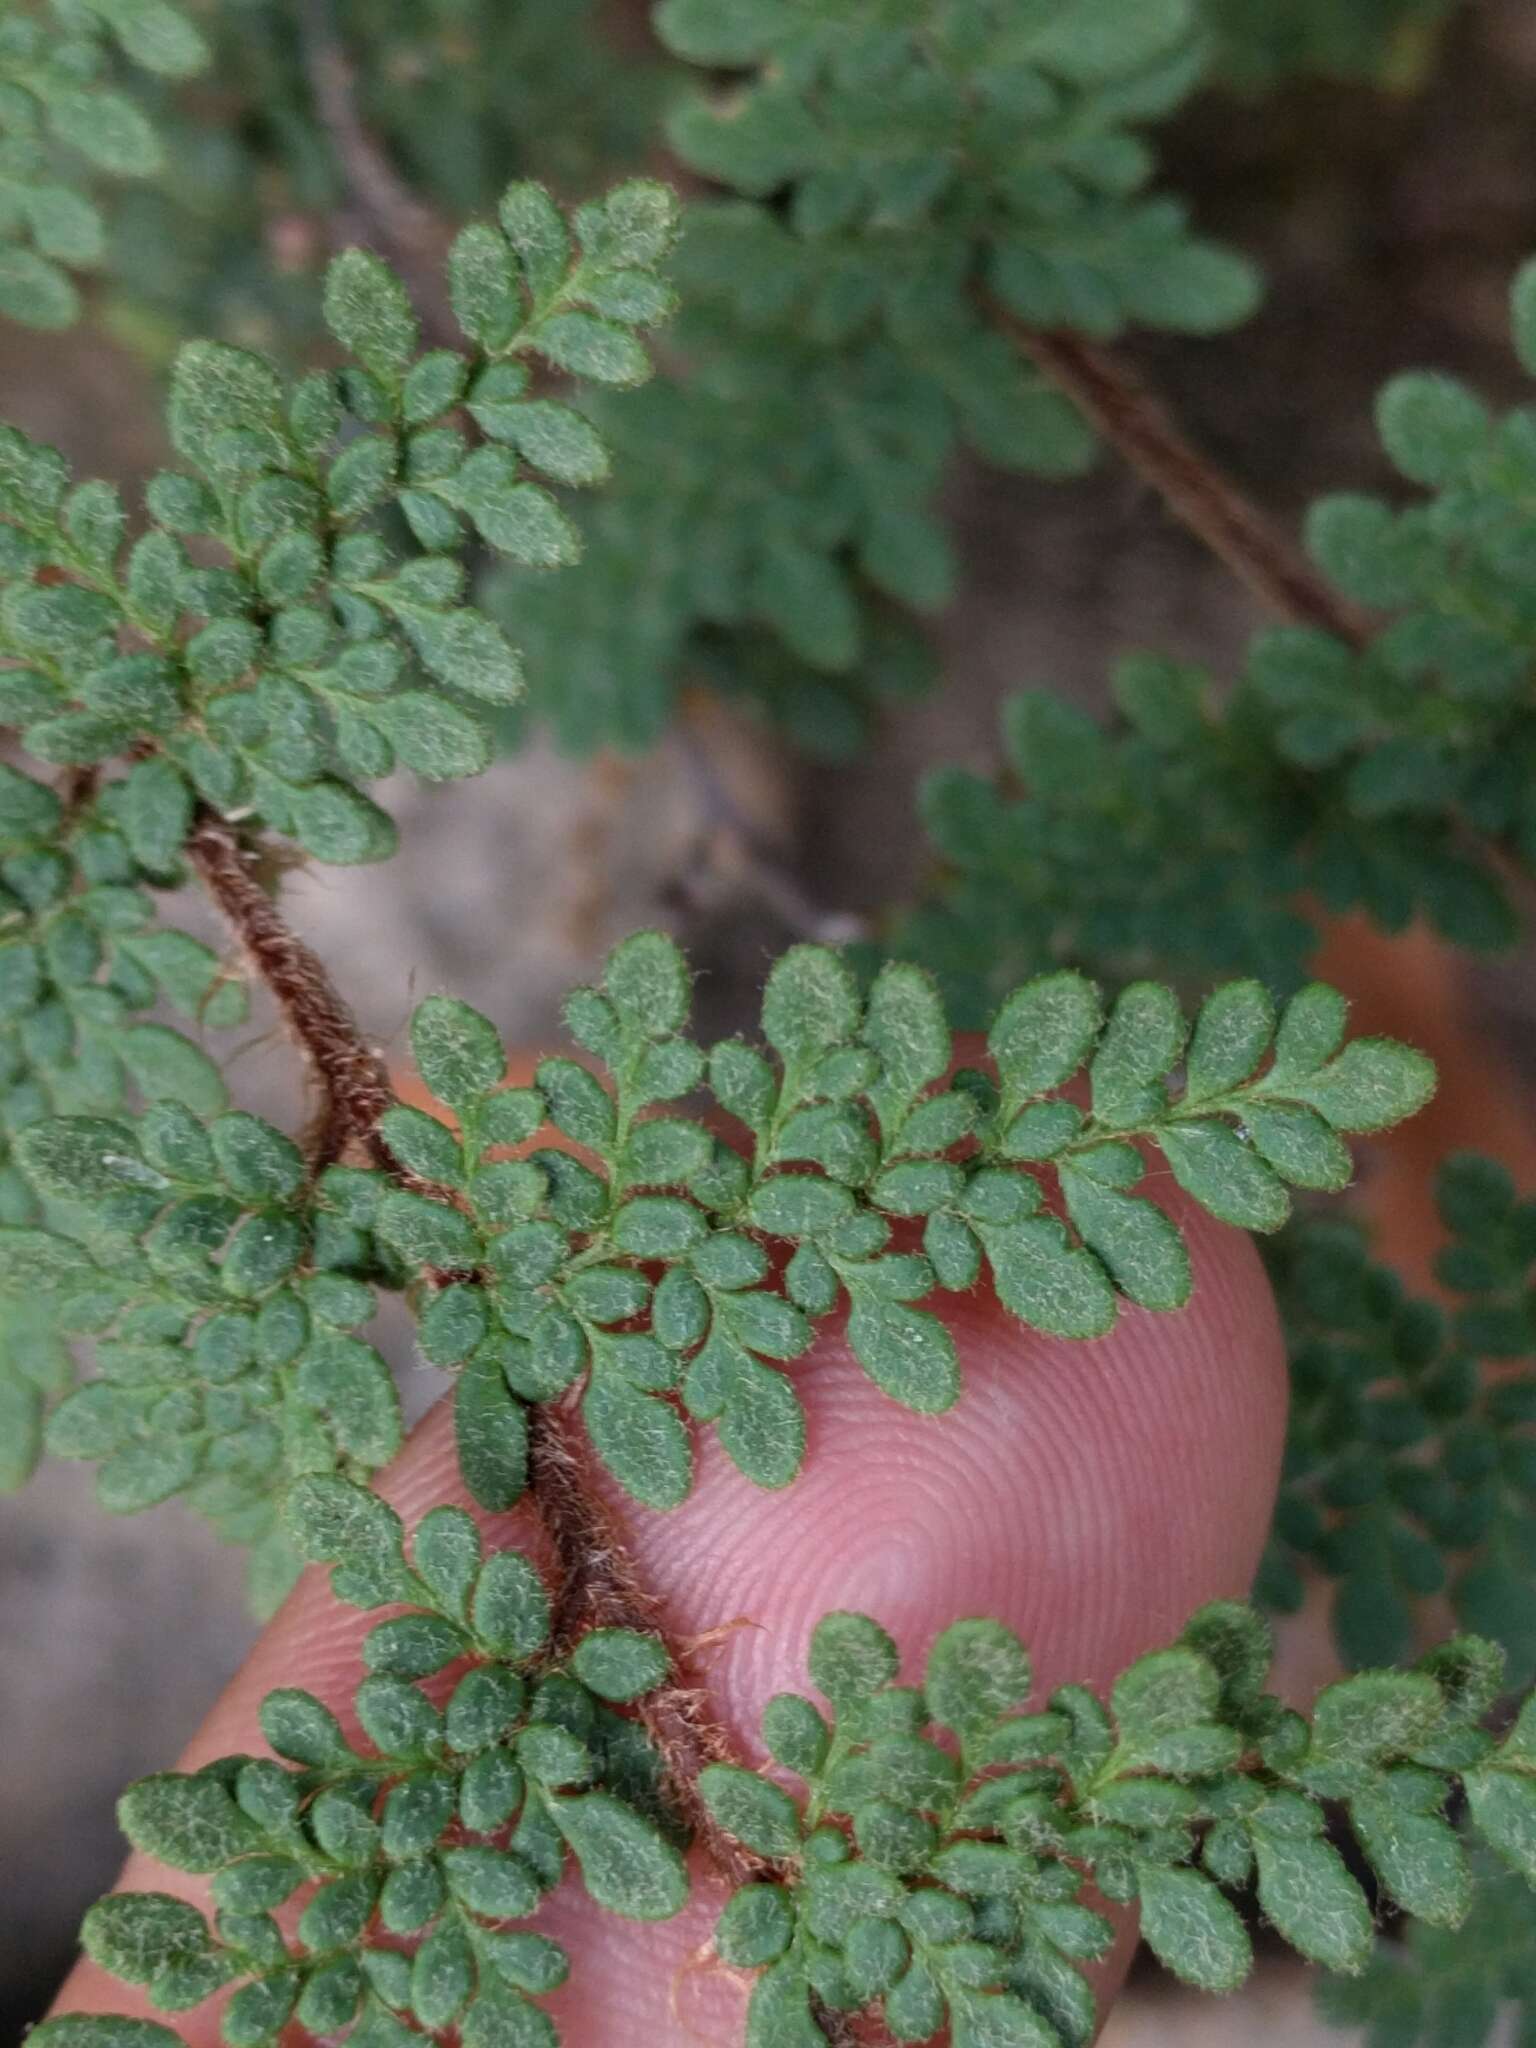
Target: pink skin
[(1091, 1495)]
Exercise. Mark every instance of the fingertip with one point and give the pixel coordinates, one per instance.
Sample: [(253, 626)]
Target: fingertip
[(1091, 1495)]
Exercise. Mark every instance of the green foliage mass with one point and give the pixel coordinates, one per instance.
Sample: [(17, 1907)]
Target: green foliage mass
[(1262, 42), (63, 119), (319, 652), (938, 1868), (460, 100), (422, 1846), (936, 1871), (653, 1265), (889, 168), (218, 1292), (1397, 780), (82, 962), (1411, 1468), (82, 957), (1448, 1988)]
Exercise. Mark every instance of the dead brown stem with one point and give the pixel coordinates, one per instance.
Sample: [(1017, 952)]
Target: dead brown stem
[(353, 1083), (1139, 425), (380, 206)]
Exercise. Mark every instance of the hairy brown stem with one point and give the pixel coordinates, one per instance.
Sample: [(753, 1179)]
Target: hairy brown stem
[(77, 789), (353, 1082), (1137, 422), (599, 1585), (600, 1588)]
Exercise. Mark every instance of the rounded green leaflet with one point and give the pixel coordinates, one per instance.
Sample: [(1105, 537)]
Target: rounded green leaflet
[(626, 1865), (1232, 1033), (334, 1522), (300, 1728), (641, 1440), (501, 2018), (1140, 1046), (1309, 1896), (458, 1052), (648, 983), (1044, 1032), (413, 1646), (780, 2012), (442, 1975), (756, 1812), (482, 285), (517, 518), (1419, 1859), (428, 1233), (908, 1353), (422, 1144), (1374, 1715), (743, 1082), (995, 2019), (530, 1961), (102, 2030), (189, 1822), (87, 1160), (509, 1610), (465, 649), (1434, 428), (587, 346), (762, 1425), (439, 741), (1163, 1692), (35, 291), (905, 1024), (137, 1935), (1225, 1175), (37, 1262), (977, 1672), (795, 1734), (799, 1205), (369, 312), (1046, 1281), (1503, 1807), (1373, 1084), (490, 1433), (142, 1475), (491, 1883), (619, 1664), (1137, 1242), (811, 1003), (559, 442), (1299, 1145), (851, 1659), (213, 388), (578, 1103), (756, 1926), (490, 1793), (658, 1227), (1192, 1929), (334, 823), (706, 34), (350, 1382)]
